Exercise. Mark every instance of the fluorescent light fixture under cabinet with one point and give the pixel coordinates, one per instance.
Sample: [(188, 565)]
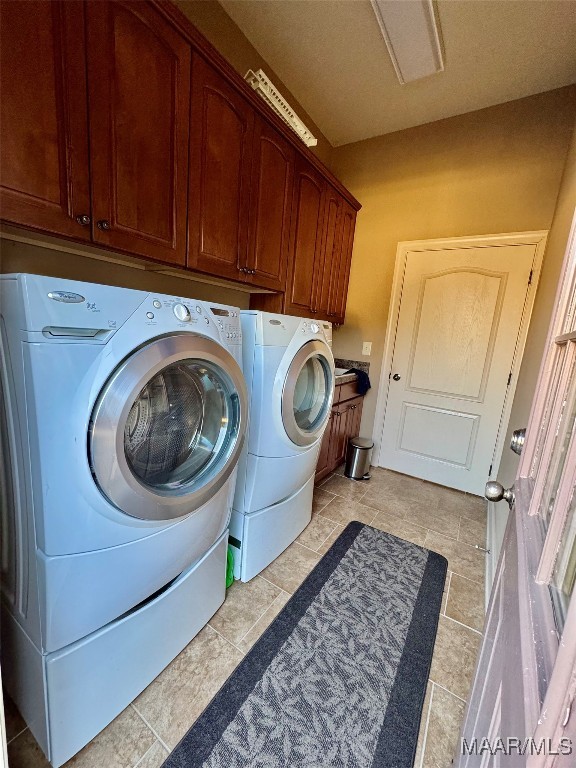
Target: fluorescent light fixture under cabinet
[(412, 34)]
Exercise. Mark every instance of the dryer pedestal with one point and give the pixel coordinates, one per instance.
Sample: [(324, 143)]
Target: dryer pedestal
[(260, 537), (70, 695)]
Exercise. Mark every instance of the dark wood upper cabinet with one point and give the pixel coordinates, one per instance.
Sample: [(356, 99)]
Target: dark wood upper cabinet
[(121, 125), (139, 70), (341, 259), (270, 208), (330, 234), (44, 168), (220, 167), (305, 239)]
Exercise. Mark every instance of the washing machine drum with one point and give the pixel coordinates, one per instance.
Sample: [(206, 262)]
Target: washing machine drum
[(161, 449)]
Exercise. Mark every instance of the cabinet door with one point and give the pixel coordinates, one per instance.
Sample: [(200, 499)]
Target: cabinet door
[(355, 417), (341, 434), (220, 166), (323, 466), (139, 92), (270, 207), (44, 168), (330, 238), (305, 239), (340, 271)]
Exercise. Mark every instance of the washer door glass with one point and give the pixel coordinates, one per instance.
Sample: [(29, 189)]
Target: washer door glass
[(311, 393), (180, 425), (167, 428)]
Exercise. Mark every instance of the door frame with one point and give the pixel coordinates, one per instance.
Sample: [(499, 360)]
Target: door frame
[(537, 238)]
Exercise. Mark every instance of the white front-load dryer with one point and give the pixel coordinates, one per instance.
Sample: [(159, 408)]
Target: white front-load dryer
[(122, 421), (289, 371)]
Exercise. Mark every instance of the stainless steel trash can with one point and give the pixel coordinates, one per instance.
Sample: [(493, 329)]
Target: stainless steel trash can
[(358, 456)]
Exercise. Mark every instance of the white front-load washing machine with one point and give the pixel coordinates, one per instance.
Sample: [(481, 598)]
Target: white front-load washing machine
[(289, 370), (122, 421)]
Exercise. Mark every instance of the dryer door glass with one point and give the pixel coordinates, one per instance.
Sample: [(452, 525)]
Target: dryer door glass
[(311, 393), (307, 393), (180, 425)]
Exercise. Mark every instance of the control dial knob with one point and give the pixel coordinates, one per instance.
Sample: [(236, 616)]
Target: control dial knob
[(314, 327), (182, 313)]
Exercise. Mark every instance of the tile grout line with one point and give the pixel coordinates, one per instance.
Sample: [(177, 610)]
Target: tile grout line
[(226, 639), (16, 735), (278, 596), (317, 550), (150, 748), (461, 623), (305, 547), (447, 690), (258, 576), (425, 737), (150, 728)]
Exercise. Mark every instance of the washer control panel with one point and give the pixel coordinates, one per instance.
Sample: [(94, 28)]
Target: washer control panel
[(182, 313), (228, 320), (191, 314)]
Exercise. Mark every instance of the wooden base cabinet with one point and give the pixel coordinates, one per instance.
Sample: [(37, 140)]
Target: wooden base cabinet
[(343, 423)]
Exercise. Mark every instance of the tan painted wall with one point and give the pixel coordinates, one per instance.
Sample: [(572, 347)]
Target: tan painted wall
[(555, 250), (492, 171), (224, 34)]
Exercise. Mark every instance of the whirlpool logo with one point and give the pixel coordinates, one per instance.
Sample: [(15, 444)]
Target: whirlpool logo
[(67, 297)]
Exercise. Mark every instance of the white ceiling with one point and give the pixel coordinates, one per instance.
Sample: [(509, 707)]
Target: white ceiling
[(331, 55)]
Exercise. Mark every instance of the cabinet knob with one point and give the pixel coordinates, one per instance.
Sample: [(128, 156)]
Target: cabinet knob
[(252, 271), (241, 269), (103, 224), (83, 219), (313, 311), (396, 377)]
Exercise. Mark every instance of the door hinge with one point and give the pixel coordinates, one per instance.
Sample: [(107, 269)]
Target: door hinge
[(530, 277), (490, 470), (509, 379)]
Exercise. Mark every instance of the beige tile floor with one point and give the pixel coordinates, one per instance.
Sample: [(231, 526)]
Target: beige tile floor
[(444, 520)]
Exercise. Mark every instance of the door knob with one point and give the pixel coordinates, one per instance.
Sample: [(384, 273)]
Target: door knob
[(495, 491), (83, 220), (396, 377), (103, 224)]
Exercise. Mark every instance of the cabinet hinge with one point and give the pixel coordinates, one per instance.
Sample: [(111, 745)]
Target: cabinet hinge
[(490, 470), (509, 379), (530, 277)]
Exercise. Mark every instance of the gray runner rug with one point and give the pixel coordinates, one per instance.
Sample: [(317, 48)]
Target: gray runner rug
[(339, 677)]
